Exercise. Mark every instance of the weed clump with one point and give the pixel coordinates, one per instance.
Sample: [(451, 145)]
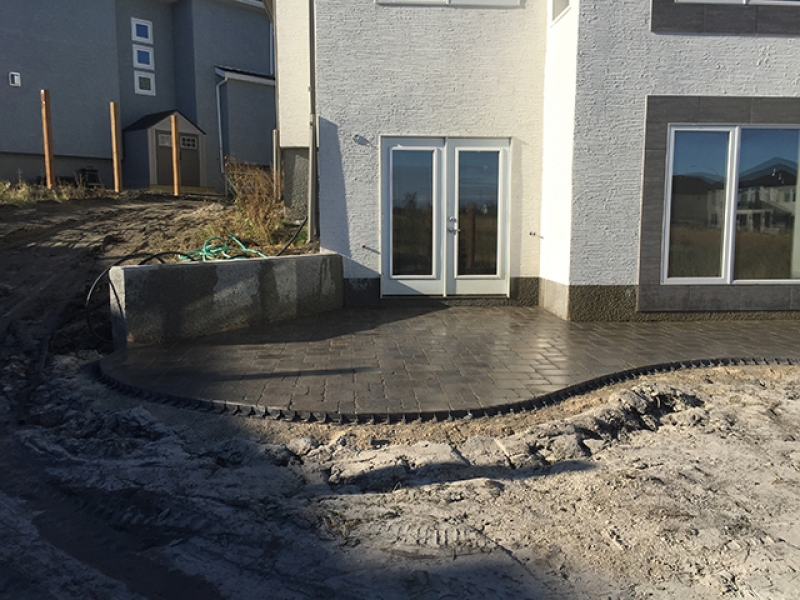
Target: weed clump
[(23, 193), (256, 196)]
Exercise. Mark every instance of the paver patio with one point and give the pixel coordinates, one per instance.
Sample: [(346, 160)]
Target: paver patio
[(423, 362)]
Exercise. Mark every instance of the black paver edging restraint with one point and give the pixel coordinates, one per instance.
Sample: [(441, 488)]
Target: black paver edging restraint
[(550, 399)]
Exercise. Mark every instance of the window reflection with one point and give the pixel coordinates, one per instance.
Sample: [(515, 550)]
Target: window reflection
[(697, 215), (412, 212), (478, 188), (767, 238)]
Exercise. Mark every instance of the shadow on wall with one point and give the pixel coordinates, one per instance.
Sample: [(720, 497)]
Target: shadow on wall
[(333, 215)]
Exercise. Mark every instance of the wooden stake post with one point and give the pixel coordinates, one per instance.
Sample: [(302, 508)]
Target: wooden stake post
[(47, 133), (176, 157), (116, 146)]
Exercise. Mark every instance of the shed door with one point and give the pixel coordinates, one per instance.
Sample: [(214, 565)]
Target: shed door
[(190, 158)]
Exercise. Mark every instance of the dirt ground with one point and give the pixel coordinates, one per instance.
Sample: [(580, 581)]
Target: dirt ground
[(681, 485)]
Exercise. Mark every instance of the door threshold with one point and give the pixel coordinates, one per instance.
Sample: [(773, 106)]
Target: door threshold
[(434, 301)]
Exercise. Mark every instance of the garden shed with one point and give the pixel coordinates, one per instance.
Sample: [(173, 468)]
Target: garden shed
[(148, 151)]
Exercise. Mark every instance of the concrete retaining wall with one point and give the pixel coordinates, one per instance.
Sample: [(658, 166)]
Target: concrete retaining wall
[(160, 303)]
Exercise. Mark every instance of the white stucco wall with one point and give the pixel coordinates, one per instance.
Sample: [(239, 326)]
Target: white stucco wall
[(292, 68), (620, 62), (558, 132), (422, 71)]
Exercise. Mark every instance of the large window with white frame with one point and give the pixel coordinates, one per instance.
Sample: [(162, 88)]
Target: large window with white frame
[(731, 205)]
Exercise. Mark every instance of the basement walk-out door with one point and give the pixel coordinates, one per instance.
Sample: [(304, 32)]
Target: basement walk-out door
[(444, 205)]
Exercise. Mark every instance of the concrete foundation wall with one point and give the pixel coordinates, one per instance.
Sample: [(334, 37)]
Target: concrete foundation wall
[(30, 167), (160, 303), (295, 182)]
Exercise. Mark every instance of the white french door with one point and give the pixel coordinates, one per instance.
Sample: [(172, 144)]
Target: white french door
[(444, 216)]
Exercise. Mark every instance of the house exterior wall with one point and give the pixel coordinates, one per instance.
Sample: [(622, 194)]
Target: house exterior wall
[(80, 115), (47, 43), (291, 36), (132, 105), (245, 31), (248, 121), (557, 160), (618, 67), (294, 107), (183, 38), (136, 168), (620, 62), (423, 71)]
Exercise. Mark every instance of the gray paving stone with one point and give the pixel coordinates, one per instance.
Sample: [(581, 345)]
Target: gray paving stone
[(411, 361)]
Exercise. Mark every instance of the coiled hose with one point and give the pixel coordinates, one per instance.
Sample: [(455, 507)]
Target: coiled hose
[(214, 248)]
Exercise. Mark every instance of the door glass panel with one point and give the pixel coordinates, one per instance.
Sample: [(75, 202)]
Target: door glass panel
[(478, 187), (697, 208), (412, 212), (767, 237)]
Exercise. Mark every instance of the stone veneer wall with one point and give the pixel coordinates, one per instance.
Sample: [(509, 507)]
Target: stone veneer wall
[(160, 303)]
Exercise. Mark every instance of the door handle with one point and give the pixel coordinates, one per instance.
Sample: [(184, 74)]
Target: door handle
[(453, 229)]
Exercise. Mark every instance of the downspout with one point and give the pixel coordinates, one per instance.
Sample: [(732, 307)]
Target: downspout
[(313, 232), (269, 7), (219, 129)]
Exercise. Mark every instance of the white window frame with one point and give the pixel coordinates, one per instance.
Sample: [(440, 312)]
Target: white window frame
[(140, 65), (135, 36), (188, 142), (555, 16), (141, 91), (741, 2), (731, 198), (427, 284), (444, 280), (473, 3)]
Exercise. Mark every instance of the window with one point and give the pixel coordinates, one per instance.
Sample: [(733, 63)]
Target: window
[(558, 7), (743, 2), (142, 31), (143, 57), (14, 79), (189, 143), (475, 3), (732, 17), (731, 205), (144, 83)]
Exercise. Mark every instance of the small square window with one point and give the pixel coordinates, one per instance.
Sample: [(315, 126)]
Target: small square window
[(190, 143), (14, 79), (142, 31), (144, 83), (143, 57)]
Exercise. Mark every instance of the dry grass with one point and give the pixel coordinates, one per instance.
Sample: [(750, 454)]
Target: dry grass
[(22, 193), (256, 197)]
